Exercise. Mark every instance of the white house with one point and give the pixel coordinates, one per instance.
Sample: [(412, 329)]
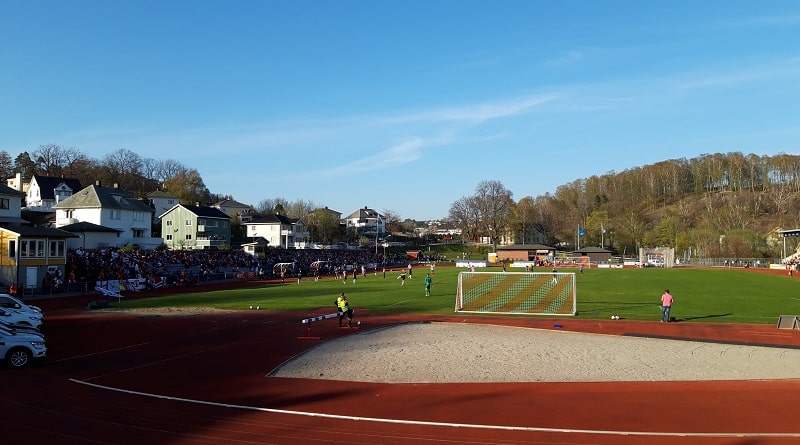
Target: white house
[(161, 201), (10, 206), (44, 192), (365, 222), (278, 230), (109, 208)]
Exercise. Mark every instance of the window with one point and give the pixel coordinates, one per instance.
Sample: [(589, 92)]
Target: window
[(188, 222), (32, 249), (138, 216), (56, 248), (12, 248), (169, 223), (169, 237), (39, 251), (4, 203), (138, 233), (116, 215), (188, 236)]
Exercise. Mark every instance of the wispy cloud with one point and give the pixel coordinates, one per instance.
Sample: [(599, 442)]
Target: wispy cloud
[(476, 113), (402, 153)]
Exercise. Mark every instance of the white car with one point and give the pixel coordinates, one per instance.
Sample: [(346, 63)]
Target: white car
[(15, 318), (11, 302), (20, 349), (4, 326)]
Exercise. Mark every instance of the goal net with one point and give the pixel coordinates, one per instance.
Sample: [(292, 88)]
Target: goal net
[(533, 293)]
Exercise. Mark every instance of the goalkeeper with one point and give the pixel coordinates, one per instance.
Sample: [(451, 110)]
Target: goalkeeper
[(344, 310)]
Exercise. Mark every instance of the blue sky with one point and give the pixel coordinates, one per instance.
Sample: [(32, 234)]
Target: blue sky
[(400, 105)]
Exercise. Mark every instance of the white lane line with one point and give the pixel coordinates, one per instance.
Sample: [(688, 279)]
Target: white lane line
[(439, 424)]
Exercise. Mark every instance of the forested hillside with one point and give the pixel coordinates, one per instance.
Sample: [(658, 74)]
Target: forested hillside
[(714, 205)]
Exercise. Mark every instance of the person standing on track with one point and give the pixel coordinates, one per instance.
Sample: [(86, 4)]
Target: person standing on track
[(344, 310), (666, 306)]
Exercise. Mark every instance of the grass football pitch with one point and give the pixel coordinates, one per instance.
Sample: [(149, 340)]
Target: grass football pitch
[(701, 295)]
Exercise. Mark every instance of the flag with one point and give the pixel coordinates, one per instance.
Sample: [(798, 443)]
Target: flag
[(580, 231)]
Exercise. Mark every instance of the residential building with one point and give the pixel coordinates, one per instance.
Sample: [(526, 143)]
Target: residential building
[(112, 208), (365, 222), (278, 231), (44, 192), (10, 206), (161, 201), (192, 227), (235, 209), (30, 256)]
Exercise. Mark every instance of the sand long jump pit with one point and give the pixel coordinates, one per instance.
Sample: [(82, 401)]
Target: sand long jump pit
[(467, 352)]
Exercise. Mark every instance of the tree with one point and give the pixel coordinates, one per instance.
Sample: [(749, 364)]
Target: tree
[(524, 215), (276, 206), (299, 208), (6, 165), (464, 214), (487, 212), (168, 169), (24, 165), (188, 186)]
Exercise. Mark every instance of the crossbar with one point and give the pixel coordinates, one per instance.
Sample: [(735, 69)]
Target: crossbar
[(321, 317)]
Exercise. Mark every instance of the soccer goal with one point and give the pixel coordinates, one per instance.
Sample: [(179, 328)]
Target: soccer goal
[(532, 293)]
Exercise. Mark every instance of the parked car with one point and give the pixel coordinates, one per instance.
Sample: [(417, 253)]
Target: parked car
[(20, 349), (24, 319), (11, 302), (4, 325)]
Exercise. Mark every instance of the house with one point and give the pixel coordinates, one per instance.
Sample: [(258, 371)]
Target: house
[(44, 192), (532, 234), (91, 235), (161, 201), (10, 206), (235, 209), (365, 222), (278, 231), (538, 253), (112, 208), (30, 256), (256, 248), (194, 227), (586, 255)]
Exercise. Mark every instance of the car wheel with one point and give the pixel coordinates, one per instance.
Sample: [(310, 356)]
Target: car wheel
[(19, 358)]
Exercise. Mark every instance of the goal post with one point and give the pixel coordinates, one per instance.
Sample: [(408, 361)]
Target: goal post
[(531, 293)]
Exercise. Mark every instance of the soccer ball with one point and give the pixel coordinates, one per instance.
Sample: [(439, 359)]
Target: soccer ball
[(615, 317)]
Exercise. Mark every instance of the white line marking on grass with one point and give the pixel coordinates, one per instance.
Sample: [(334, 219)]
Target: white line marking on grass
[(437, 424)]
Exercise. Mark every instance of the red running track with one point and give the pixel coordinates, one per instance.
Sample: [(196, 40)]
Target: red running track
[(114, 378)]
